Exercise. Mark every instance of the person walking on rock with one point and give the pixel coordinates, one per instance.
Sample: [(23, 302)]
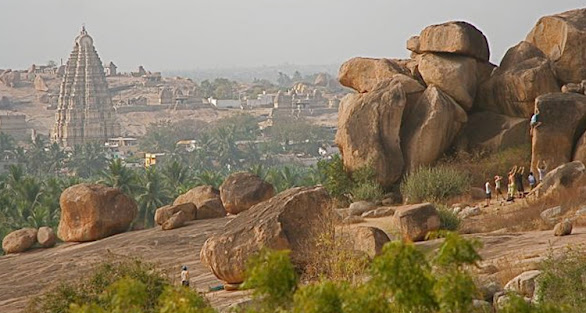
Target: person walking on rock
[(184, 277), (487, 189)]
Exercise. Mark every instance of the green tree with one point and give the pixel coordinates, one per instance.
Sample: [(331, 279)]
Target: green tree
[(119, 176), (154, 195)]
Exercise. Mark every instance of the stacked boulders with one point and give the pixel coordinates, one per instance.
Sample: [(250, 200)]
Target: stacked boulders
[(241, 190), (24, 239)]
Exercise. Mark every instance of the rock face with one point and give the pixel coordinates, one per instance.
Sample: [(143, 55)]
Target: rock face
[(552, 215), (290, 220), (414, 222), (379, 212), (455, 75), (19, 240), (563, 229), (363, 74), (359, 207), (368, 131), (488, 131), (524, 284), (524, 74), (563, 121), (242, 190), (363, 238), (430, 128), (91, 212), (177, 220), (564, 177), (454, 37), (207, 201), (561, 37), (163, 214), (46, 237)]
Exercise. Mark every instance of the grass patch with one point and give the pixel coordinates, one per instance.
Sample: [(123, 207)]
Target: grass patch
[(434, 184)]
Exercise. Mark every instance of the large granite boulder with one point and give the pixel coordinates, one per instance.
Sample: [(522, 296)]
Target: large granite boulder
[(453, 37), (580, 149), (453, 74), (563, 121), (368, 131), (363, 74), (291, 220), (414, 222), (524, 284), (564, 228), (19, 240), (91, 212), (46, 237), (491, 132), (207, 201), (369, 240), (164, 213), (524, 74), (175, 221), (242, 190), (564, 177), (561, 37), (430, 127)]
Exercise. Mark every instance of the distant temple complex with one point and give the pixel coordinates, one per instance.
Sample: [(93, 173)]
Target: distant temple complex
[(85, 112)]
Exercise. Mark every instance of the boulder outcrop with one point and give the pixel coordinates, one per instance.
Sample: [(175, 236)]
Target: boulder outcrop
[(46, 237), (363, 74), (561, 37), (19, 240), (562, 178), (429, 128), (563, 121), (369, 240), (454, 37), (453, 74), (291, 220), (207, 201), (91, 212), (242, 190), (163, 214), (415, 221), (175, 221), (563, 228), (368, 131)]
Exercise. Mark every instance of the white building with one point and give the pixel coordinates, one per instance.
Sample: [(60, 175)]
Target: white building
[(225, 104)]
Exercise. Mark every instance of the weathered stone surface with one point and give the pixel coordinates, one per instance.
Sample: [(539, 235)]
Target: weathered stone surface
[(175, 221), (430, 127), (40, 84), (379, 212), (565, 177), (242, 190), (524, 284), (552, 215), (368, 131), (561, 37), (413, 44), (46, 237), (207, 201), (524, 74), (455, 37), (352, 219), (415, 221), (10, 78), (563, 229), (490, 132), (563, 120), (364, 238), (19, 240), (363, 74), (573, 87), (290, 220), (469, 212), (359, 207), (163, 214), (580, 149), (91, 212), (455, 75)]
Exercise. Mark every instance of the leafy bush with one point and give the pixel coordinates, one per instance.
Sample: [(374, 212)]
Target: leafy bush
[(448, 219), (434, 184)]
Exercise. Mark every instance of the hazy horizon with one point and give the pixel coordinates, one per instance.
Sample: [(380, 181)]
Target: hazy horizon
[(177, 35)]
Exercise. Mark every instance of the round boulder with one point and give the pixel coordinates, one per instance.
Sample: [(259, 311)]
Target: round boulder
[(242, 190), (206, 200), (177, 220), (163, 214), (19, 240), (91, 212), (46, 237)]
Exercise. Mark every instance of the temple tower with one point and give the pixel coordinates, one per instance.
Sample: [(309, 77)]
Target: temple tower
[(84, 112)]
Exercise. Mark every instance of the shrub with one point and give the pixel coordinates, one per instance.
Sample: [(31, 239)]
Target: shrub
[(448, 219), (434, 184), (336, 180), (367, 191)]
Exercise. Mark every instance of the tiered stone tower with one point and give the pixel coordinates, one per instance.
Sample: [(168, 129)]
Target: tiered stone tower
[(85, 112)]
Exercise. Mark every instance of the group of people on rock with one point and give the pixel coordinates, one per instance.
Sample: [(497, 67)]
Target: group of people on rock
[(515, 183)]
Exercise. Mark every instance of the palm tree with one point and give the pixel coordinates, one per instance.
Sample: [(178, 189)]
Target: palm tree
[(154, 195), (119, 176), (7, 145), (208, 177), (175, 175), (88, 160), (55, 157)]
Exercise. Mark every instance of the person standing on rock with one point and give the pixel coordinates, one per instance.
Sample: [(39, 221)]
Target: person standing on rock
[(541, 170), (487, 189), (511, 187), (519, 182), (184, 276), (534, 121), (497, 187), (532, 181)]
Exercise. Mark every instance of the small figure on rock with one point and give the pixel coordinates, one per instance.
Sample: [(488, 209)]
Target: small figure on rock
[(488, 191), (532, 181), (519, 181), (184, 277), (541, 170), (497, 187), (511, 187), (535, 122)]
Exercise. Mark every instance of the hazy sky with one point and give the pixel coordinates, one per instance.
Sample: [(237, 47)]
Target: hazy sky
[(191, 34)]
